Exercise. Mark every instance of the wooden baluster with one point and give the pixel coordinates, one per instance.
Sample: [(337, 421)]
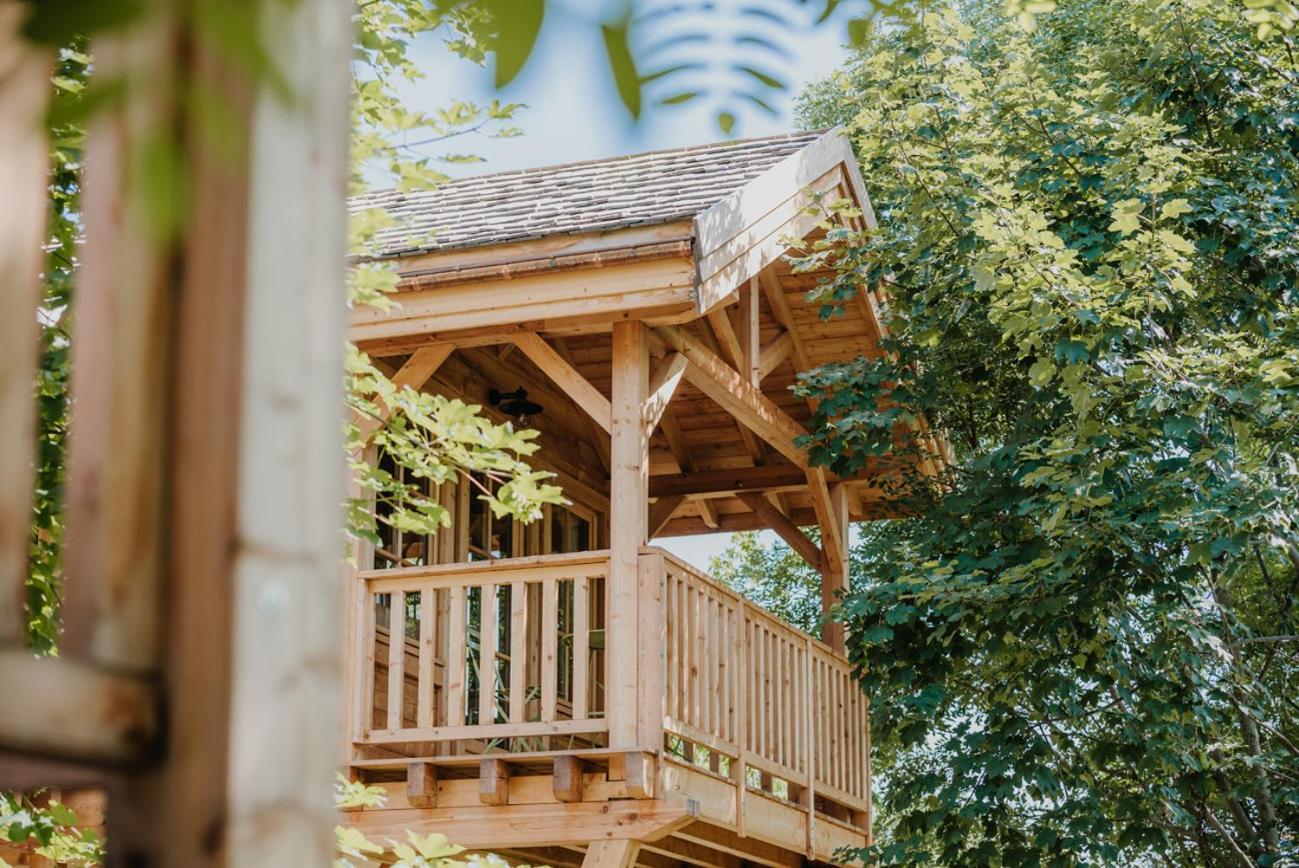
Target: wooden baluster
[(581, 646), (549, 648), (396, 657), (518, 650), (455, 665), (725, 729), (427, 636), (487, 655), (683, 649), (672, 615)]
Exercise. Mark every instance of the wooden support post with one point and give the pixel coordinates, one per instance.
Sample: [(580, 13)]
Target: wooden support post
[(834, 543), (628, 523), (422, 785), (568, 778), (493, 782), (749, 335), (611, 854), (24, 91)]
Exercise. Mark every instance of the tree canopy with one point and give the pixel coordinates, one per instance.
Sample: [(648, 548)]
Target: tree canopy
[(1081, 646)]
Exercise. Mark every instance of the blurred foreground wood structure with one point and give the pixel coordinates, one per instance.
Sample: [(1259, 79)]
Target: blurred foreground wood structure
[(198, 678)]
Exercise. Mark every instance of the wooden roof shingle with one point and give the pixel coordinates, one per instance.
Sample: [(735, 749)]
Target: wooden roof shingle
[(592, 196)]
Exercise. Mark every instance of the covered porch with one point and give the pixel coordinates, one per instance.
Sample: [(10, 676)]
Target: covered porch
[(565, 690)]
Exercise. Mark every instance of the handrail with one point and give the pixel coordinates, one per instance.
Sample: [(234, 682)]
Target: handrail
[(717, 671), (507, 612)]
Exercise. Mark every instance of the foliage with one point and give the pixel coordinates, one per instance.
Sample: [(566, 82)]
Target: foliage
[(1081, 649), (47, 828), (773, 576)]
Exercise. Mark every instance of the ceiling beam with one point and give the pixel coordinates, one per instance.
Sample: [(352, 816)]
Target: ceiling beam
[(717, 482)]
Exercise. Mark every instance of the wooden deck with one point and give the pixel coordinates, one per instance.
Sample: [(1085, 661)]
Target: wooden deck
[(753, 739)]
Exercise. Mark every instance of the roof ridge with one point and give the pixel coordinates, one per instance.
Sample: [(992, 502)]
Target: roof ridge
[(555, 167)]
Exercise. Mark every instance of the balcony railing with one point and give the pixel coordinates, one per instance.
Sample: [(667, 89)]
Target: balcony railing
[(510, 656)]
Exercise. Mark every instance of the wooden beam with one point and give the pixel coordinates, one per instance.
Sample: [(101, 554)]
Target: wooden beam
[(660, 512), (619, 853), (422, 785), (637, 769), (789, 532), (564, 375), (831, 506), (74, 710), (731, 521), (719, 321), (662, 386), (628, 523), (691, 853), (784, 316), (493, 781), (749, 321), (724, 385), (568, 778), (604, 295), (770, 357), (685, 460), (730, 480), (486, 827)]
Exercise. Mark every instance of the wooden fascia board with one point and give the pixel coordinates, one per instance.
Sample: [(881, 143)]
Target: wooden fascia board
[(625, 290), (723, 222), (487, 827), (465, 259), (763, 243)]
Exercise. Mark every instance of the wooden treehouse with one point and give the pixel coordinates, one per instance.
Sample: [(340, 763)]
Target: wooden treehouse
[(565, 692)]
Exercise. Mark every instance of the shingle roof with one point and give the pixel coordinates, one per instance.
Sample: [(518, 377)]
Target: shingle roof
[(592, 196)]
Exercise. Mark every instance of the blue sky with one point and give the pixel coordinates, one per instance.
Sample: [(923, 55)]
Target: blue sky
[(573, 111)]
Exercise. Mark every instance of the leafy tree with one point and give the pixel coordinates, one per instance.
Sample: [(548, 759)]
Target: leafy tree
[(1081, 646), (773, 576)]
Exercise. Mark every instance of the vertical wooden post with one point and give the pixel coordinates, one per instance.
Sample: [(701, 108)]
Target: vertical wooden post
[(749, 316), (834, 572), (628, 520), (24, 91), (652, 653)]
